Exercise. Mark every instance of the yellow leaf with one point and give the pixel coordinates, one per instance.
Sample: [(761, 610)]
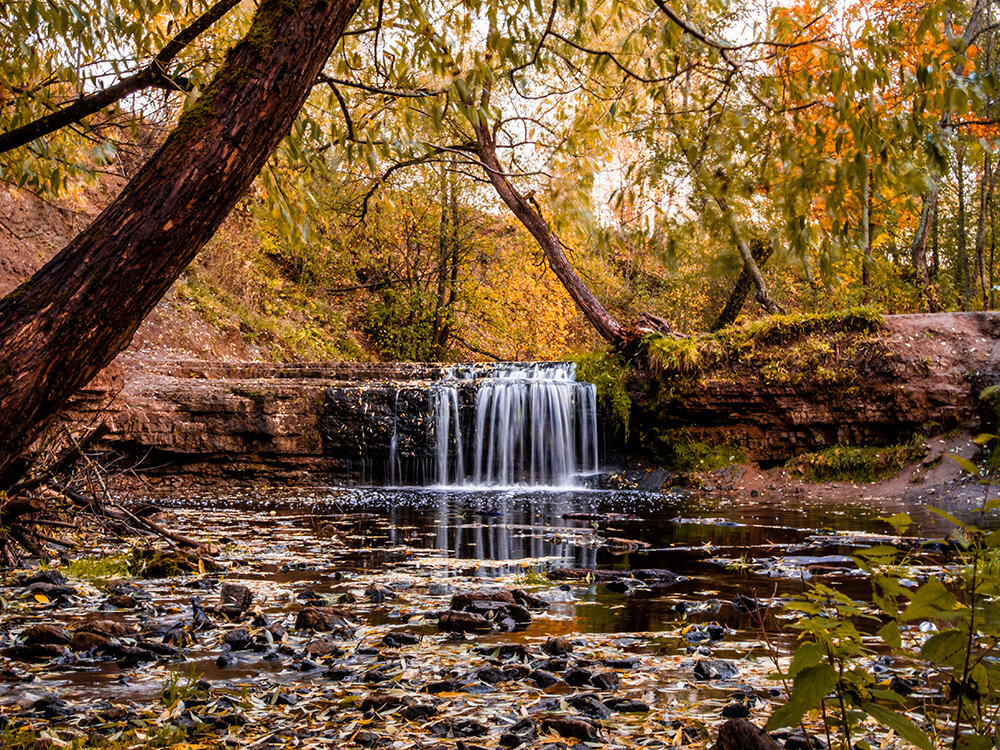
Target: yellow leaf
[(41, 599)]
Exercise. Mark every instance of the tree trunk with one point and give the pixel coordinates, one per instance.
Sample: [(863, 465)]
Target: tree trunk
[(761, 252), (83, 307), (609, 328), (918, 249), (762, 296), (866, 234), (963, 255), (986, 185)]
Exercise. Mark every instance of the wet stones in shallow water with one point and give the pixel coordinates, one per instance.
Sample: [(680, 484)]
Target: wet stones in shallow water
[(463, 622), (226, 659), (398, 638), (568, 726), (626, 705), (368, 739), (45, 576), (555, 664), (589, 704), (715, 669), (543, 679), (740, 734), (52, 707), (504, 651), (449, 685), (41, 634), (799, 741), (378, 593), (106, 626), (577, 677), (38, 652), (606, 681), (629, 662), (710, 632), (903, 685), (323, 647), (735, 711), (322, 618), (51, 590), (235, 599), (237, 640), (337, 673), (557, 646)]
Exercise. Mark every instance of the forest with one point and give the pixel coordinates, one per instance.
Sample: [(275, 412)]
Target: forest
[(464, 374)]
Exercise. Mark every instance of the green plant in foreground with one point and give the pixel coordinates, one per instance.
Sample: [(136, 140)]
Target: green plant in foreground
[(958, 662)]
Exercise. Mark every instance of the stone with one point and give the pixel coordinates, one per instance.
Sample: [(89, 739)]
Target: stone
[(740, 734), (715, 669), (606, 681), (589, 704), (543, 679), (38, 634), (323, 647), (398, 638), (557, 646), (237, 639), (568, 726), (85, 640), (323, 619), (107, 627), (626, 705), (463, 622), (735, 711), (577, 677), (234, 599)]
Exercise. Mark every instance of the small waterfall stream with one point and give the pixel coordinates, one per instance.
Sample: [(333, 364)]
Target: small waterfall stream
[(514, 424)]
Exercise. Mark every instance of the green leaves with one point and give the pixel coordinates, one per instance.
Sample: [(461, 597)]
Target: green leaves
[(899, 724), (947, 647), (810, 686), (931, 601)]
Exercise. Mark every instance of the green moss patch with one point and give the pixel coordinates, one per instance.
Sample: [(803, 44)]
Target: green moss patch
[(858, 464)]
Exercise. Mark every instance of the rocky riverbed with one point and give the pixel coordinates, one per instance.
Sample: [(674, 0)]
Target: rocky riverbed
[(416, 619)]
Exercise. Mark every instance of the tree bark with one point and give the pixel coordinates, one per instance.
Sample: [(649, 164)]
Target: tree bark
[(609, 328), (918, 249), (761, 252), (963, 254), (986, 185), (762, 296), (866, 233), (58, 329)]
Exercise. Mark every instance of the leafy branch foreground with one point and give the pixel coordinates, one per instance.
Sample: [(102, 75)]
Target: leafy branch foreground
[(948, 628)]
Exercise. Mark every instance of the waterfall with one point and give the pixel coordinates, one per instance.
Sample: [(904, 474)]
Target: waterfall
[(527, 424)]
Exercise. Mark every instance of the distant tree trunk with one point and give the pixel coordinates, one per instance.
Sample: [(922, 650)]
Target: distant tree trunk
[(749, 264), (935, 247), (963, 254), (986, 184), (866, 233), (761, 251), (609, 328), (918, 249), (83, 307)]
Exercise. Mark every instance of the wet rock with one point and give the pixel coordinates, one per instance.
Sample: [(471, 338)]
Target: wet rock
[(107, 627), (715, 669), (449, 685), (201, 584), (378, 593), (589, 704), (440, 589), (368, 739), (623, 585), (629, 662), (322, 618), (54, 577), (85, 640), (337, 673), (557, 646), (237, 639), (529, 600), (461, 728), (234, 599), (323, 647), (606, 681), (129, 589), (398, 638), (463, 622), (799, 741), (52, 707), (556, 664), (504, 651), (41, 634), (491, 675), (711, 632), (626, 705), (133, 656), (735, 711), (226, 659), (418, 711), (160, 649), (492, 594), (38, 652), (568, 726), (379, 674), (577, 677), (543, 679), (903, 685), (51, 590), (122, 601), (746, 605), (382, 702), (516, 671), (523, 731), (740, 734)]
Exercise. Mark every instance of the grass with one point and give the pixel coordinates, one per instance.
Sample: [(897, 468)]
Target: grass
[(858, 464), (99, 570)]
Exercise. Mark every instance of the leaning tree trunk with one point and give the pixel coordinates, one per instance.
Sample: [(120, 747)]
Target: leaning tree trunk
[(760, 251), (918, 249), (609, 328), (82, 308)]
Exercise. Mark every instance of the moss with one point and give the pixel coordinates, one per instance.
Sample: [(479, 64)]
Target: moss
[(609, 373), (784, 340), (858, 464), (678, 450), (154, 563), (97, 570)]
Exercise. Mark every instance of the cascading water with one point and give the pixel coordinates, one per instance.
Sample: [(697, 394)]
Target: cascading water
[(529, 424)]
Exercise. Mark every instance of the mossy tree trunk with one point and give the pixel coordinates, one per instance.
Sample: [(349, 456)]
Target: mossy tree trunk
[(58, 329)]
